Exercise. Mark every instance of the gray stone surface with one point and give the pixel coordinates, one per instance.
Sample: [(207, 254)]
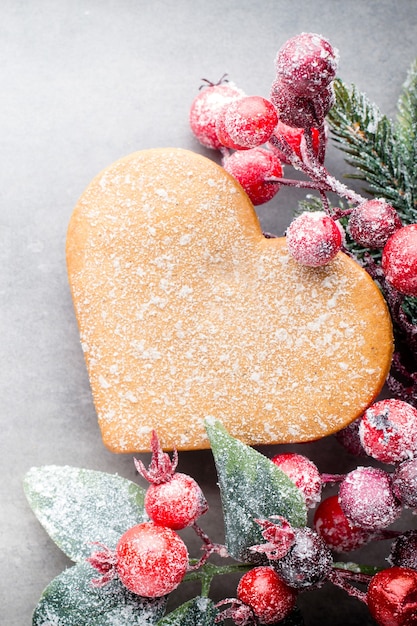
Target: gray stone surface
[(84, 82)]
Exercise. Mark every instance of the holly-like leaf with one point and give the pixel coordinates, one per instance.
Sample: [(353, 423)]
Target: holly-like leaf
[(72, 600), (251, 487), (78, 507), (199, 611)]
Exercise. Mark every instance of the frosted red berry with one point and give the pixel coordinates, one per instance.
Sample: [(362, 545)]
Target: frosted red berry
[(303, 473), (336, 530), (404, 483), (176, 503), (205, 109), (299, 111), (367, 499), (307, 562), (247, 122), (151, 560), (252, 169), (388, 430), (392, 597), (267, 594), (399, 260), (371, 223), (313, 238), (172, 499), (404, 550), (307, 63)]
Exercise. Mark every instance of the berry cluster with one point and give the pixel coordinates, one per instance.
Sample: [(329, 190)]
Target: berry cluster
[(151, 559), (290, 128)]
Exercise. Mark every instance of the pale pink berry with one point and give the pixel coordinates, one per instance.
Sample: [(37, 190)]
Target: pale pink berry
[(388, 430), (303, 473), (314, 238), (404, 484), (205, 109), (399, 260), (246, 122), (367, 499), (371, 223), (255, 169)]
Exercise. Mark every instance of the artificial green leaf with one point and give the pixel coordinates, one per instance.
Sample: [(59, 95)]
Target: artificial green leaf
[(72, 600), (199, 611), (251, 487), (78, 507)]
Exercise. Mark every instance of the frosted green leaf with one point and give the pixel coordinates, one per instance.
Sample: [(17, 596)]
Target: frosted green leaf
[(78, 506), (71, 600), (196, 612), (251, 487)]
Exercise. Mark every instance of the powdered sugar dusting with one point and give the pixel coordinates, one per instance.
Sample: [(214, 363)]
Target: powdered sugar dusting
[(185, 307)]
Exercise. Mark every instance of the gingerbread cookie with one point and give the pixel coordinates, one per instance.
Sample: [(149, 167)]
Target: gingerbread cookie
[(186, 310)]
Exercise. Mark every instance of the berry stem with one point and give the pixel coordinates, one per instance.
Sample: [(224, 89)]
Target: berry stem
[(208, 571), (339, 579), (332, 478)]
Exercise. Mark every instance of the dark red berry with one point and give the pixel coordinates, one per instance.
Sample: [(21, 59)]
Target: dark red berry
[(252, 169), (313, 238), (399, 260), (151, 560), (388, 430), (404, 550), (392, 597), (307, 63), (404, 483), (307, 562), (267, 594), (205, 109), (299, 111), (303, 473), (336, 530), (373, 222), (349, 438), (246, 122), (367, 500)]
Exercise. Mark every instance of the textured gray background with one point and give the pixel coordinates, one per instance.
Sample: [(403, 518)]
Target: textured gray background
[(82, 83)]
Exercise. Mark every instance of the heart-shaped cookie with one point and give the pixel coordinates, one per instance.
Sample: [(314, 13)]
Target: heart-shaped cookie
[(186, 311)]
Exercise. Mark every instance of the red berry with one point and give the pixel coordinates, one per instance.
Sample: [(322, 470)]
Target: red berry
[(367, 500), (269, 597), (388, 430), (176, 503), (252, 169), (151, 560), (313, 238), (293, 137), (392, 597), (336, 530), (300, 111), (373, 222), (404, 483), (172, 499), (404, 550), (307, 562), (205, 109), (307, 63), (303, 473), (399, 260), (246, 122)]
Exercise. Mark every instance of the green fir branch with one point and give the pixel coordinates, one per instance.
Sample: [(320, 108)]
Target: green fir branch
[(383, 153)]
